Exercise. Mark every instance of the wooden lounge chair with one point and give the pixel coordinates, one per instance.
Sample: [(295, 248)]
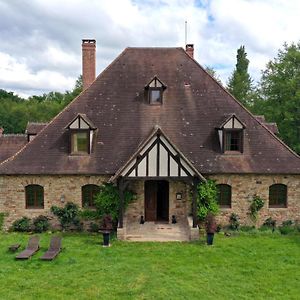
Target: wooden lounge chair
[(54, 249), (32, 247)]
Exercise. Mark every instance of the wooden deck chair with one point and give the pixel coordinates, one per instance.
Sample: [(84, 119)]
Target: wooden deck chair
[(54, 249), (32, 248)]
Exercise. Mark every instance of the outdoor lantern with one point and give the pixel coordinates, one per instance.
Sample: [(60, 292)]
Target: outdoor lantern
[(178, 196)]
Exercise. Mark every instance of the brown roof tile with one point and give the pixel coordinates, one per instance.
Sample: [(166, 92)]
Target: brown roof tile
[(34, 128), (10, 144), (194, 104)]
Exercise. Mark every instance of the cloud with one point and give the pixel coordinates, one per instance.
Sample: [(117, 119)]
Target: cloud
[(41, 40)]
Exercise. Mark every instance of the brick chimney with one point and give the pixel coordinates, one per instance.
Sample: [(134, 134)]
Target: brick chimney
[(88, 62), (189, 48), (1, 130)]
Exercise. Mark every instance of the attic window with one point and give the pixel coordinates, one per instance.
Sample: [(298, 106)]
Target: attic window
[(81, 135), (155, 91), (231, 133)]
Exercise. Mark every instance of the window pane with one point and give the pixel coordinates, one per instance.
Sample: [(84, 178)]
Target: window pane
[(80, 142), (155, 96), (224, 195), (278, 195), (34, 195), (88, 194), (233, 140)]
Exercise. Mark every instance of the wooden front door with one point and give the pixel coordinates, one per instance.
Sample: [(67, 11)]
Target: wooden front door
[(156, 200), (150, 200)]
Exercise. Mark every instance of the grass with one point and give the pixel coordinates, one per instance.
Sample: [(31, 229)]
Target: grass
[(247, 266)]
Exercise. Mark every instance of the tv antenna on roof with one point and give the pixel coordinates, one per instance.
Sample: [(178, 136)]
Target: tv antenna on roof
[(185, 36)]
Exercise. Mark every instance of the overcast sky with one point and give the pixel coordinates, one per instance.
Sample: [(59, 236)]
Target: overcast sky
[(40, 49)]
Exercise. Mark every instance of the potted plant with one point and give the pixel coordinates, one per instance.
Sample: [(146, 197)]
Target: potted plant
[(106, 228)]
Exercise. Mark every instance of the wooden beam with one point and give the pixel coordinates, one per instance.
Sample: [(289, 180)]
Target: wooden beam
[(194, 202)]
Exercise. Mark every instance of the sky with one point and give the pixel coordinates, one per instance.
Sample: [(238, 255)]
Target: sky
[(40, 49)]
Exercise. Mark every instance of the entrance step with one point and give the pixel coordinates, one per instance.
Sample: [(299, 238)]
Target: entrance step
[(152, 231)]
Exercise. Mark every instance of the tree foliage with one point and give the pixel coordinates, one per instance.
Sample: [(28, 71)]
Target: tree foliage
[(279, 92), (240, 82), (16, 112)]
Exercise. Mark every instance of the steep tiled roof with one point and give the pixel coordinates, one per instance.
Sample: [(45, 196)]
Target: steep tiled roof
[(10, 144), (194, 104), (34, 128)]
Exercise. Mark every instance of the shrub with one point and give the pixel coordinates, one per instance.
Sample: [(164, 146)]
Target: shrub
[(68, 215), (207, 199), (234, 221), (287, 223), (88, 214), (21, 225), (41, 224), (286, 229), (94, 227), (246, 228), (256, 205), (107, 201)]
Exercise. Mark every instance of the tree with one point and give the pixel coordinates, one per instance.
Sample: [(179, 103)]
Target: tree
[(279, 92), (240, 82), (211, 71)]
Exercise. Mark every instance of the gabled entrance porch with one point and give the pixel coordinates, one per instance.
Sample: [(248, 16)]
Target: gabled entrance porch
[(162, 177)]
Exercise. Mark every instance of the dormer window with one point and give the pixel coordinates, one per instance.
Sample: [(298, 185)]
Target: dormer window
[(231, 133), (154, 91), (81, 135)]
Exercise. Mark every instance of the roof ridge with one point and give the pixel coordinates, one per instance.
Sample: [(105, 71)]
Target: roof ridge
[(13, 135)]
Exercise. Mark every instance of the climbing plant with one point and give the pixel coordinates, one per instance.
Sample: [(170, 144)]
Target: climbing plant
[(207, 199), (256, 205)]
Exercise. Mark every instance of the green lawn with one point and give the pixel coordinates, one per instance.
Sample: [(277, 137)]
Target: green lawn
[(262, 266)]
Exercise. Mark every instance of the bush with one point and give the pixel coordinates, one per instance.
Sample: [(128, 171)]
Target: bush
[(287, 223), (41, 224), (207, 199), (21, 225), (286, 229), (270, 223), (107, 201), (94, 227), (88, 214), (246, 228), (234, 222), (68, 215)]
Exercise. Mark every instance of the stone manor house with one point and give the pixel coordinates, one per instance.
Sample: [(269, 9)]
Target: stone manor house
[(155, 122)]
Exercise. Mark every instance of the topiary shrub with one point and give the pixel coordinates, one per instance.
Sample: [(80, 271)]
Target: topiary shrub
[(207, 199), (234, 222), (67, 215), (22, 225), (41, 224)]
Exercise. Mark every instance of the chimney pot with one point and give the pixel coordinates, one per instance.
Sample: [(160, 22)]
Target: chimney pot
[(88, 62), (189, 48)]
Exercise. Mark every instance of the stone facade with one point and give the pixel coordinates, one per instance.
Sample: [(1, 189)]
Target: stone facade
[(179, 208), (12, 193), (244, 187)]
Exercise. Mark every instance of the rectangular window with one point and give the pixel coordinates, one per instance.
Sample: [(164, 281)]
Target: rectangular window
[(233, 140), (80, 142), (155, 95)]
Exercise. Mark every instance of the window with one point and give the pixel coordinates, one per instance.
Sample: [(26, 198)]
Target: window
[(224, 195), (34, 195), (88, 194), (278, 195), (233, 140), (155, 95), (155, 90), (80, 141)]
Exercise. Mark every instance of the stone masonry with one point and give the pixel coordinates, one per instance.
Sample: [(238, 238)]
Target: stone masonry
[(244, 187), (12, 195)]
